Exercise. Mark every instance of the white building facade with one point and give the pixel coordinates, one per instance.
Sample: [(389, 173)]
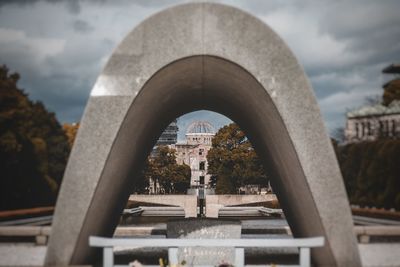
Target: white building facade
[(193, 151), (369, 123)]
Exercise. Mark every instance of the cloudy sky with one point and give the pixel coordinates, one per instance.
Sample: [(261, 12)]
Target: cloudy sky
[(59, 47)]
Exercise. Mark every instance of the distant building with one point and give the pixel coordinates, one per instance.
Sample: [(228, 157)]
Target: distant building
[(169, 136), (193, 152), (369, 123)]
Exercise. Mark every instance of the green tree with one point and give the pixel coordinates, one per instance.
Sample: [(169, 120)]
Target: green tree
[(180, 178), (71, 131), (141, 183), (392, 92), (371, 172), (33, 148), (162, 167), (232, 161)]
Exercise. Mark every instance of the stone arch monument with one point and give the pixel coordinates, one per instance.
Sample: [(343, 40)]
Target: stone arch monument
[(202, 56)]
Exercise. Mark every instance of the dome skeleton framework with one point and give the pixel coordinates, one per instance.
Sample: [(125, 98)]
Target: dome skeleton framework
[(200, 127)]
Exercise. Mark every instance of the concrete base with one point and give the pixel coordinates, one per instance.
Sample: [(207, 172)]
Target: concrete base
[(22, 255), (187, 202), (215, 202), (380, 255)]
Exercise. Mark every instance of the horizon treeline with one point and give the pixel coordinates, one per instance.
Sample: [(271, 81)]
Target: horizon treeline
[(371, 172), (33, 148)]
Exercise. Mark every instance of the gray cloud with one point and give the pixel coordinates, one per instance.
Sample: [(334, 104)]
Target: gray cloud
[(216, 119), (82, 26), (154, 3), (72, 6), (350, 19), (59, 47), (371, 27)]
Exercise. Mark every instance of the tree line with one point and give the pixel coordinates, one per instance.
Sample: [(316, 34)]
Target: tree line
[(371, 172), (161, 169), (33, 148), (233, 162)]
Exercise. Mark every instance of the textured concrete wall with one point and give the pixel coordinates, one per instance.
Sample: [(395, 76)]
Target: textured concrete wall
[(190, 57), (215, 202), (187, 202), (205, 228)]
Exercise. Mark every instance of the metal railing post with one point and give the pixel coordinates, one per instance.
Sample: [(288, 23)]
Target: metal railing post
[(305, 257), (172, 256), (239, 257), (108, 257), (304, 245)]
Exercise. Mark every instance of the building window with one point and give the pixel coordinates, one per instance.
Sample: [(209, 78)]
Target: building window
[(363, 129), (201, 151), (394, 128), (381, 129), (386, 128), (369, 128), (202, 165), (201, 180), (357, 130)]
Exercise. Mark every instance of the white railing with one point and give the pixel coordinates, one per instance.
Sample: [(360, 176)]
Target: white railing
[(304, 245), (41, 233)]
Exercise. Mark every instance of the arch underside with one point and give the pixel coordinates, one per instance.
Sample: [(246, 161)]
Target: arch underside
[(280, 116)]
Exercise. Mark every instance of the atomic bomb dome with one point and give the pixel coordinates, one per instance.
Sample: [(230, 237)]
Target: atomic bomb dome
[(193, 151), (200, 132), (199, 127)]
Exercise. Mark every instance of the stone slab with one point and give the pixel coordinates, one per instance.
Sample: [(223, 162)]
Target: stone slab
[(20, 230), (22, 255), (187, 202), (204, 228), (380, 255)]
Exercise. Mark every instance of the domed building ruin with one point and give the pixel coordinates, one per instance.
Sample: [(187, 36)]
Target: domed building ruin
[(193, 152)]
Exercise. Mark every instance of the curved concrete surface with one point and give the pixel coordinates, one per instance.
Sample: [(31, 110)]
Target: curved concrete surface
[(190, 57)]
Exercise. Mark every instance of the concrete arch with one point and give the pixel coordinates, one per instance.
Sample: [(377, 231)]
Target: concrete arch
[(202, 56)]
